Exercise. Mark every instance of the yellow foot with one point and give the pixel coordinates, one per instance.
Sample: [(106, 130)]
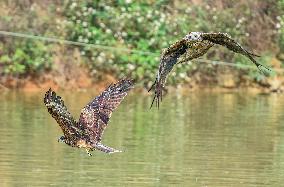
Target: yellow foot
[(88, 152)]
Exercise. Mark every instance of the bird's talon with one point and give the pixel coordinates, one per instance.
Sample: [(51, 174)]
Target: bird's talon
[(88, 152)]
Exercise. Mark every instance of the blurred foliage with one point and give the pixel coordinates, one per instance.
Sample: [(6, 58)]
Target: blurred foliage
[(279, 25), (27, 57), (153, 25), (18, 56), (146, 27)]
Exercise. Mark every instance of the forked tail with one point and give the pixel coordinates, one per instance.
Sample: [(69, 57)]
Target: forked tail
[(106, 149)]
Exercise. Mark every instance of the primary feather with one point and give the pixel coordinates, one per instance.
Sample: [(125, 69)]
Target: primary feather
[(57, 109)]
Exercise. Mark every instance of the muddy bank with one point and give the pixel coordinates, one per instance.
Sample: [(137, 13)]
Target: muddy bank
[(43, 83), (82, 80)]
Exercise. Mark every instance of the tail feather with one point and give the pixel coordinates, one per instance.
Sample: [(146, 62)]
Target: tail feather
[(106, 149)]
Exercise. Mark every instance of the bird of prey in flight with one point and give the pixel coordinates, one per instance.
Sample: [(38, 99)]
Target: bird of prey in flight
[(87, 132), (193, 45)]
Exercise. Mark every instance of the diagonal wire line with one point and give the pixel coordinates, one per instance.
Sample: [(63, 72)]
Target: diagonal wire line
[(63, 41), (216, 62), (68, 42)]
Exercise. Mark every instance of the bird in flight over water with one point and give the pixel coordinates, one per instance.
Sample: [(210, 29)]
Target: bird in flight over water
[(193, 45), (87, 132)]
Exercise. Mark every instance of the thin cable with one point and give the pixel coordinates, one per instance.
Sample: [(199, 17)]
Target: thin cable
[(62, 41), (215, 62)]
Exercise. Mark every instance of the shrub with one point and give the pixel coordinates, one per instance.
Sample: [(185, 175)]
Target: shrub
[(25, 57), (136, 32), (147, 28), (20, 56)]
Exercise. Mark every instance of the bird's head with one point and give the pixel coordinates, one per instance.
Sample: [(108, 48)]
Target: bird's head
[(193, 37)]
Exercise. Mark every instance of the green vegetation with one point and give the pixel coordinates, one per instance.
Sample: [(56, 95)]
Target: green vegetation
[(144, 27), (27, 57)]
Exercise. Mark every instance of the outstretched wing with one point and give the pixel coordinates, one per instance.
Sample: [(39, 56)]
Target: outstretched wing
[(179, 52), (225, 40), (95, 116), (168, 59), (55, 106)]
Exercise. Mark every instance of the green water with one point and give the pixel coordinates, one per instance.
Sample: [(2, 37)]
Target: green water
[(199, 139)]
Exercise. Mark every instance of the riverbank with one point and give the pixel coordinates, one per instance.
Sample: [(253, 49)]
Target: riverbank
[(80, 79)]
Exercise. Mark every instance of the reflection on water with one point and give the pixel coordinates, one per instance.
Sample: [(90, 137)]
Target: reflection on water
[(201, 139)]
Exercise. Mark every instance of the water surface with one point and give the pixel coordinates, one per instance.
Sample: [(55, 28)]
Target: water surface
[(197, 139)]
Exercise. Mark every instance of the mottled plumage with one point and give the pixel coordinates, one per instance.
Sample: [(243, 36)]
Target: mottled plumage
[(193, 45), (87, 132)]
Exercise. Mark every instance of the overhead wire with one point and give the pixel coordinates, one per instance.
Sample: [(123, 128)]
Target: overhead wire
[(119, 49)]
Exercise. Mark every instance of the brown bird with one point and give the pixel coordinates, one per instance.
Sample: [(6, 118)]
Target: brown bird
[(87, 132), (193, 45)]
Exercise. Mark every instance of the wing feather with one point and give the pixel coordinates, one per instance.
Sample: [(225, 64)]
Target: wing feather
[(57, 109), (95, 116), (225, 40), (179, 52), (168, 59)]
